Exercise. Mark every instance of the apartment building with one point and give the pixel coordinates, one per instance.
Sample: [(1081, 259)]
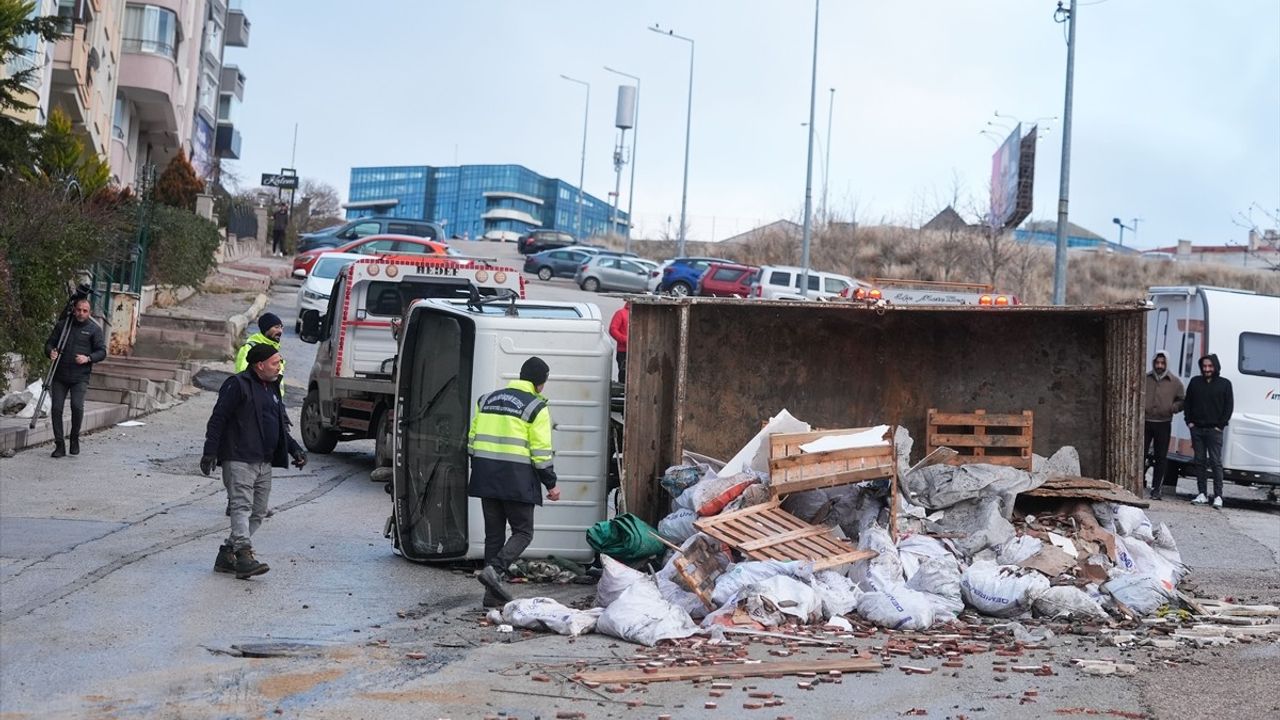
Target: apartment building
[(34, 52), (85, 66)]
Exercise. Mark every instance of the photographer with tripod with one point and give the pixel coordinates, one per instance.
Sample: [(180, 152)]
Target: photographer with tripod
[(75, 344)]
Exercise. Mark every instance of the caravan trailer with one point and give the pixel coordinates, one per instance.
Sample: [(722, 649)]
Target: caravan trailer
[(1243, 329)]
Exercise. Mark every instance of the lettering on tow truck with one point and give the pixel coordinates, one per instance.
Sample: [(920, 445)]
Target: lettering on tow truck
[(438, 269)]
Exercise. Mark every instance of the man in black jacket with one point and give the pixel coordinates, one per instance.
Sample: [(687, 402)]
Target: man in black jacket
[(85, 346), (1207, 410), (248, 436)]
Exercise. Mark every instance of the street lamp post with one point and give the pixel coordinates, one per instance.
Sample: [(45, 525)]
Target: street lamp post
[(688, 124), (1064, 180), (826, 167), (635, 135), (807, 234), (582, 170), (1132, 228)]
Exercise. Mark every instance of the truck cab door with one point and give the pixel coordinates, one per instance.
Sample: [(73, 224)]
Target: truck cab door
[(433, 417)]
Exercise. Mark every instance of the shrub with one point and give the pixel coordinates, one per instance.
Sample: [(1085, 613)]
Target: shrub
[(182, 247), (179, 185)]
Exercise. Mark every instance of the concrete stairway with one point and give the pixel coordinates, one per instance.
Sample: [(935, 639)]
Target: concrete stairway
[(143, 384), (14, 433), (174, 337)]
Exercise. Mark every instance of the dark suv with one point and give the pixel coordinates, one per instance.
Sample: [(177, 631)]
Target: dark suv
[(538, 240), (364, 227), (682, 275)]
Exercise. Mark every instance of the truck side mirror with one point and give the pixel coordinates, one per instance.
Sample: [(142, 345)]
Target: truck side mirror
[(311, 326)]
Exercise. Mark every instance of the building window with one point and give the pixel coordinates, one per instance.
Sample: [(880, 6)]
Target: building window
[(120, 125), (66, 16), (209, 92), (150, 29)]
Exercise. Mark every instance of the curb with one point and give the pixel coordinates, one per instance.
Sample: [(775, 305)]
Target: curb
[(237, 323)]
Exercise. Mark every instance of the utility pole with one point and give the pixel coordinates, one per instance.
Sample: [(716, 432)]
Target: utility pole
[(688, 124), (826, 167), (808, 173), (1064, 181), (582, 170), (635, 138)]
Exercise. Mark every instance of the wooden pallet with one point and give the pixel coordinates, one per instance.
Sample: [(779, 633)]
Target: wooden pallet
[(767, 532), (793, 470), (982, 437)]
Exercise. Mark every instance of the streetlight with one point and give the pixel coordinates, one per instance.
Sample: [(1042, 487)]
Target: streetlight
[(1064, 181), (1123, 227), (688, 120), (826, 166), (808, 172), (635, 132), (582, 171)]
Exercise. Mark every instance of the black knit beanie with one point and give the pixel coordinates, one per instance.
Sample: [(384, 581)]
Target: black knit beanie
[(268, 321), (535, 371), (260, 352)]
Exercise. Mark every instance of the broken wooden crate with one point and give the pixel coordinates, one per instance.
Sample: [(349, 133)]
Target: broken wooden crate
[(792, 470), (767, 532), (982, 437)]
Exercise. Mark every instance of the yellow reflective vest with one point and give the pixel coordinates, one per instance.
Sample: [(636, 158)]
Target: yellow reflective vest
[(510, 445)]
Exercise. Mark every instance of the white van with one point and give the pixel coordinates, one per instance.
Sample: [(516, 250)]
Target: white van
[(451, 354), (782, 282), (1243, 329)]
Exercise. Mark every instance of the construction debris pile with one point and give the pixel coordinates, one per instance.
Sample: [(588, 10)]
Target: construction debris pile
[(835, 530)]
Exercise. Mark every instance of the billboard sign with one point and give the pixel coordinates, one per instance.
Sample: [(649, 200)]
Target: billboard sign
[(281, 181), (1004, 178), (1026, 179)]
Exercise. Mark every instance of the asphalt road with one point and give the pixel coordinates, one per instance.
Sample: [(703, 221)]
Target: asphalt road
[(109, 606)]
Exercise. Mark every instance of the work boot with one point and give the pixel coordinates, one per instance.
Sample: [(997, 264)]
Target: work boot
[(75, 445), (59, 450), (1217, 502), (1200, 500), (492, 581), (491, 600), (226, 560), (1155, 495), (247, 565)]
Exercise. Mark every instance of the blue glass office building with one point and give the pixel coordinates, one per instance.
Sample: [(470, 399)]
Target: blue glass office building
[(498, 202)]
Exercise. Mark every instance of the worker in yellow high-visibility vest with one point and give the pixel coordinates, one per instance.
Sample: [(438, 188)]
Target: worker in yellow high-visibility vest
[(511, 455)]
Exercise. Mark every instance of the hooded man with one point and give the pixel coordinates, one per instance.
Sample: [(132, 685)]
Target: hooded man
[(247, 435), (270, 330), (1207, 411), (511, 462), (619, 328), (1163, 399)]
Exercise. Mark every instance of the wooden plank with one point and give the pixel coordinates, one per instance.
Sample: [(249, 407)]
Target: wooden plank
[(850, 557), (784, 439), (954, 441), (893, 508), (1017, 462), (851, 477), (732, 671), (794, 461), (747, 511), (1024, 419)]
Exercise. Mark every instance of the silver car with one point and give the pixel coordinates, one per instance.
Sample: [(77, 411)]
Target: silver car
[(611, 272)]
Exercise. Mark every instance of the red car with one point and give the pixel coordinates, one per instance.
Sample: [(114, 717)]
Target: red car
[(723, 279), (372, 245)]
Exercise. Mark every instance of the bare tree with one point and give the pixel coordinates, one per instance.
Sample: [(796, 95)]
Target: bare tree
[(325, 207), (1264, 244)]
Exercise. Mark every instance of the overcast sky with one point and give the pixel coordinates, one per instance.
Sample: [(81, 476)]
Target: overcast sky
[(1177, 102)]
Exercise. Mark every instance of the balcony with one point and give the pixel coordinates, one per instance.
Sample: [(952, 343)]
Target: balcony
[(232, 81), (227, 142), (73, 63), (237, 28), (152, 82)]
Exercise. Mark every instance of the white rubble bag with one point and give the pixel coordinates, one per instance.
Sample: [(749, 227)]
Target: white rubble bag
[(1141, 593), (640, 615), (1001, 590), (1018, 549), (1163, 543), (915, 549), (769, 601), (732, 581), (543, 613), (755, 454), (1068, 601), (28, 411), (837, 593), (897, 607), (981, 524), (883, 570), (1142, 559), (1132, 522), (937, 487), (939, 579), (1064, 462), (678, 525), (614, 579)]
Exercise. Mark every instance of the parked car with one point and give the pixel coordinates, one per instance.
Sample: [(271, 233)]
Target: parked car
[(537, 241), (332, 237), (611, 272), (727, 280), (782, 282), (316, 289), (682, 275), (655, 273), (563, 262), (373, 245)]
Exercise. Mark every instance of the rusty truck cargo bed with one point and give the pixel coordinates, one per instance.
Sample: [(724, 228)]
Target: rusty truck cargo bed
[(704, 373)]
